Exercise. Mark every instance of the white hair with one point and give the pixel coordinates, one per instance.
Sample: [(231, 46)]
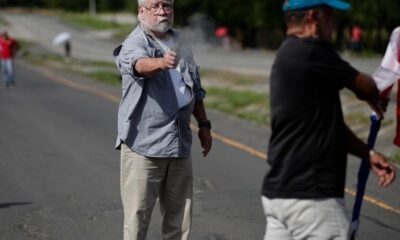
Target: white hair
[(141, 2)]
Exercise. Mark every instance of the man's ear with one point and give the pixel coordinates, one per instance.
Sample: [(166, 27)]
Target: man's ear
[(312, 15), (312, 20), (140, 12)]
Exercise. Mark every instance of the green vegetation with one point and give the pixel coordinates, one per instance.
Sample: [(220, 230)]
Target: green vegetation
[(109, 77), (396, 157), (362, 118), (24, 47), (257, 23), (233, 78), (357, 118), (3, 22), (122, 31), (86, 20), (101, 71), (73, 5), (227, 92), (244, 104), (89, 21)]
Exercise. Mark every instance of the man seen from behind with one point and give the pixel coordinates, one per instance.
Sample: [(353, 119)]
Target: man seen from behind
[(303, 191)]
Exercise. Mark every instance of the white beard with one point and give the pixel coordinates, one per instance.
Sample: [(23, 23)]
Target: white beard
[(159, 28), (162, 27)]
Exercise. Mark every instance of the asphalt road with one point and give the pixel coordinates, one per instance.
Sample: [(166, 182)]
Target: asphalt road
[(59, 173)]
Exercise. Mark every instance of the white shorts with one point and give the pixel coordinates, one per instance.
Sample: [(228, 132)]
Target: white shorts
[(314, 219)]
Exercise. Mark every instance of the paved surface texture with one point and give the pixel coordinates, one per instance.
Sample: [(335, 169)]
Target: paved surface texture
[(59, 173)]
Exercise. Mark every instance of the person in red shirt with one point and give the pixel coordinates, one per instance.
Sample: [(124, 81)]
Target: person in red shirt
[(8, 47), (355, 43)]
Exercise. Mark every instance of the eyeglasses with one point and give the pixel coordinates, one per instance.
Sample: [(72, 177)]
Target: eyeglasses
[(166, 7)]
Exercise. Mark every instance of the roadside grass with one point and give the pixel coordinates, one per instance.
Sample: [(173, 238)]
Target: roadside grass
[(357, 118), (396, 157), (24, 47), (89, 21), (122, 31), (363, 119), (108, 77), (3, 22), (100, 71), (232, 78), (243, 104)]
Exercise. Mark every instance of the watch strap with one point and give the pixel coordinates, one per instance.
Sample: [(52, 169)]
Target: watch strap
[(204, 124)]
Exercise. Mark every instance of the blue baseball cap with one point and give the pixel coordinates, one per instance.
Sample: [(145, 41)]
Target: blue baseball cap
[(291, 5)]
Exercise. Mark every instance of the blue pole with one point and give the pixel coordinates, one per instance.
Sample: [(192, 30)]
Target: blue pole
[(363, 174)]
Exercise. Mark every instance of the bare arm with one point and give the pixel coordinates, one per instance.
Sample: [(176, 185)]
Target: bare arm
[(199, 111), (365, 89), (149, 66), (204, 133), (355, 146), (380, 165)]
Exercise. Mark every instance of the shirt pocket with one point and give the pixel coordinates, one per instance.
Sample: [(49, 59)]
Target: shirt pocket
[(161, 95), (191, 77)]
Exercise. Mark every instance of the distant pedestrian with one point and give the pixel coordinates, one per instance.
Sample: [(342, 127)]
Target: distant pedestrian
[(67, 51), (356, 39), (64, 39), (161, 89), (8, 48), (67, 48), (303, 192), (222, 34)]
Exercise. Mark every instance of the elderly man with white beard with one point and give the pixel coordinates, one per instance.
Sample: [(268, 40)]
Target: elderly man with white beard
[(161, 89)]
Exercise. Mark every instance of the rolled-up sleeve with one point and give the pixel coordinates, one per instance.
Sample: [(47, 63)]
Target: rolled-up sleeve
[(131, 51), (199, 92)]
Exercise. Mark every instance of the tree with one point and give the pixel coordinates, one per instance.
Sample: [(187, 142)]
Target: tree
[(255, 23), (92, 7), (377, 28)]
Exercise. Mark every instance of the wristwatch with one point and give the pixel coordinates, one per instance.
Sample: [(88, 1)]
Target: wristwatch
[(204, 124), (371, 152)]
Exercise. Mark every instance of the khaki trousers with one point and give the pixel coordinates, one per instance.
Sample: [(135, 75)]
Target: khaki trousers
[(143, 180)]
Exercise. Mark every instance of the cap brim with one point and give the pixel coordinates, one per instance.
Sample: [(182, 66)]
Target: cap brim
[(336, 4), (339, 5)]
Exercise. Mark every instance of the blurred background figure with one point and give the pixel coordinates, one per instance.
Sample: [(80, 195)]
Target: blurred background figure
[(8, 48), (222, 34), (356, 38), (64, 39)]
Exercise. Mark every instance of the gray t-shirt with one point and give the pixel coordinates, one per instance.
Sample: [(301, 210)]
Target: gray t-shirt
[(182, 91)]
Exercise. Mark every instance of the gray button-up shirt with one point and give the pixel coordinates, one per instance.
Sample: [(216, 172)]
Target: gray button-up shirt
[(149, 119)]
